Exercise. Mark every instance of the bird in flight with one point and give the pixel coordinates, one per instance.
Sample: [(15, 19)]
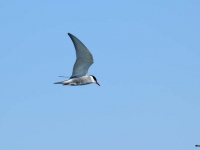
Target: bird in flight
[(84, 60)]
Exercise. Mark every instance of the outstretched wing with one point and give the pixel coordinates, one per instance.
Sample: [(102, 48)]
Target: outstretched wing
[(84, 58)]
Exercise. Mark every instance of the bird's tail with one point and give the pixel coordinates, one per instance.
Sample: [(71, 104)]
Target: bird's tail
[(59, 82)]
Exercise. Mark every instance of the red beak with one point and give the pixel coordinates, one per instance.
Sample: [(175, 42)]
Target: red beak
[(97, 83)]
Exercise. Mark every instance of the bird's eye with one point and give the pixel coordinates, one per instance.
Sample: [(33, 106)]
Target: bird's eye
[(94, 78)]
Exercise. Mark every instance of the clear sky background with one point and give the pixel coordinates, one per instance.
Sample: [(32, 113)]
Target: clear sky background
[(147, 60)]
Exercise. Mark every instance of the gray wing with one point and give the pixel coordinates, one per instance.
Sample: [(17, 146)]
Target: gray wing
[(84, 58)]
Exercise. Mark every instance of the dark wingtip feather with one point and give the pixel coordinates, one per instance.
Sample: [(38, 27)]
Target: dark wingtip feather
[(69, 34)]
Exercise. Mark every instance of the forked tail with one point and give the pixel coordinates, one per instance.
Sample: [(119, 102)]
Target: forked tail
[(59, 82)]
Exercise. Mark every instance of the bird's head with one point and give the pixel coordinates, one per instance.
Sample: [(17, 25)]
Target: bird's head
[(95, 80)]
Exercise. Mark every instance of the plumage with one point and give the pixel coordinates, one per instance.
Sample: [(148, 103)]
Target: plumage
[(84, 60)]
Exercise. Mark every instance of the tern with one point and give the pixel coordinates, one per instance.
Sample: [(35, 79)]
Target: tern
[(84, 60)]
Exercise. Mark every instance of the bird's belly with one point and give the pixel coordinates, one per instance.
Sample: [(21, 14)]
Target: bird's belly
[(78, 83)]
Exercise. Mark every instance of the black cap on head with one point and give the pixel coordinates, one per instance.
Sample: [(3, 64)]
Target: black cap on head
[(94, 78)]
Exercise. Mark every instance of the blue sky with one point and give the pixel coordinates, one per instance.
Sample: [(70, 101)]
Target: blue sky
[(147, 58)]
